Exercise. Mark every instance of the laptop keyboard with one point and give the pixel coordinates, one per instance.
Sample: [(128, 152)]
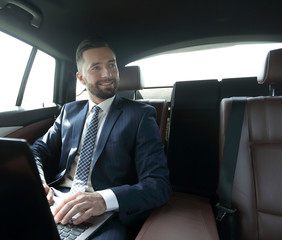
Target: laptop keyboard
[(71, 231)]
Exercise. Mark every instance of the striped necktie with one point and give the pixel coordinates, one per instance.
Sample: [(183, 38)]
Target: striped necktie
[(83, 166)]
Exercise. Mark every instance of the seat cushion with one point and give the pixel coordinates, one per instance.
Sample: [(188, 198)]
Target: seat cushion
[(184, 217)]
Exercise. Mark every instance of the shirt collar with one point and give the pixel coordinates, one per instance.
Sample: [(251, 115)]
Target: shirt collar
[(105, 105)]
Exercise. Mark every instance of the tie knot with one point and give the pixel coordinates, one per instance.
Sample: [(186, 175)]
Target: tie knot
[(96, 109)]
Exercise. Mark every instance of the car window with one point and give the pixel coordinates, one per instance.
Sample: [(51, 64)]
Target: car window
[(14, 57), (204, 63), (39, 88)]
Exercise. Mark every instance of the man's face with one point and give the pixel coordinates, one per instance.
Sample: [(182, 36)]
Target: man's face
[(99, 73)]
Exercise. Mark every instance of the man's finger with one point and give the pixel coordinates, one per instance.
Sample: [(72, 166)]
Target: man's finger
[(63, 208), (82, 217), (50, 195), (49, 192), (74, 212)]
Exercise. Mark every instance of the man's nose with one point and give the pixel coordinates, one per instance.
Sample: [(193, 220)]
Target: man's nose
[(106, 73)]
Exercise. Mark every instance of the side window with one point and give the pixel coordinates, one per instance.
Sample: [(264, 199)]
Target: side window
[(39, 89), (14, 57)]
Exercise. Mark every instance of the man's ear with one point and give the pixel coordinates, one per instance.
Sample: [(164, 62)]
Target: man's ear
[(80, 78)]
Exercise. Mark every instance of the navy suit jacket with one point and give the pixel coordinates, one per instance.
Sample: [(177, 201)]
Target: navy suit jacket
[(129, 157)]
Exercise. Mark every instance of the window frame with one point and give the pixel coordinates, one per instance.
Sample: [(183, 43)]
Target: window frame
[(22, 82), (25, 76)]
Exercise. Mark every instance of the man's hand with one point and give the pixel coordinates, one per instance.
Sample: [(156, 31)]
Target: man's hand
[(84, 203), (49, 192)]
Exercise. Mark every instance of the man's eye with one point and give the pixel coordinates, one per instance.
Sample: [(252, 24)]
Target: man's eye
[(95, 68), (112, 65)]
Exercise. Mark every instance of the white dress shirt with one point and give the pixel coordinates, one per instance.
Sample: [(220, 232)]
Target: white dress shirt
[(107, 194)]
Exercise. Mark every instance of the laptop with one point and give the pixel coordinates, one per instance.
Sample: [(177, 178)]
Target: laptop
[(25, 211)]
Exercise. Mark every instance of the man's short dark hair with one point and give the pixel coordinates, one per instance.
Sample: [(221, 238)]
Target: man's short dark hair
[(89, 43)]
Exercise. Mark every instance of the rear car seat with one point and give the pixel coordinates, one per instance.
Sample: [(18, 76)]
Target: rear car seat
[(184, 217), (130, 82), (243, 86), (193, 137), (188, 216), (194, 125), (256, 189)]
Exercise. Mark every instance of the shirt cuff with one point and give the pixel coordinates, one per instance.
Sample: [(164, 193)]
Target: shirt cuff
[(110, 200)]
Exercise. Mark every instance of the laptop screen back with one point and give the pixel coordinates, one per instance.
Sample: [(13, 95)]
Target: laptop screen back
[(25, 213)]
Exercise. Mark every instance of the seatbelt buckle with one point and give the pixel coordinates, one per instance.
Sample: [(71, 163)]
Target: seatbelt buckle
[(222, 211)]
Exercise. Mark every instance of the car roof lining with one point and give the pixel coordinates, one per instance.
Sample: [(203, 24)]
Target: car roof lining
[(136, 29)]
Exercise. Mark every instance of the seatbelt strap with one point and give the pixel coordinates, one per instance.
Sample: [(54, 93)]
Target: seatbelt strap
[(227, 216), (229, 157)]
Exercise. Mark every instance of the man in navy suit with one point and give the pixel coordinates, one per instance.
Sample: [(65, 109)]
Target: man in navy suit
[(128, 172)]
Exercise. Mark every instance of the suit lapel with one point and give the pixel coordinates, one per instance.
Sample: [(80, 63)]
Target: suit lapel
[(77, 131), (110, 121)]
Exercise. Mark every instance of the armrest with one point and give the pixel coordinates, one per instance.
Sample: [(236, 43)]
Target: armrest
[(183, 217)]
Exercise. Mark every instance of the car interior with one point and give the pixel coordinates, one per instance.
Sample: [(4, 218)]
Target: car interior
[(222, 137)]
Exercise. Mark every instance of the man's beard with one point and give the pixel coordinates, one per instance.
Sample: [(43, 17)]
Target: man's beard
[(103, 93)]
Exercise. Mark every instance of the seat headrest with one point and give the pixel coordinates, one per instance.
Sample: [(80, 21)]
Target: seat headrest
[(273, 68), (130, 78)]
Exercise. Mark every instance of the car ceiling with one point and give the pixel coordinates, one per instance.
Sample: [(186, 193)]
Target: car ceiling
[(136, 28)]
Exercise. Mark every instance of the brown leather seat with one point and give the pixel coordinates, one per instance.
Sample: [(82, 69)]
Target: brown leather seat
[(257, 191), (130, 82), (184, 217)]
